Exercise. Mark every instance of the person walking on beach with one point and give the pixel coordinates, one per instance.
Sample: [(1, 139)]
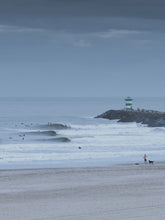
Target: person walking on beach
[(145, 158)]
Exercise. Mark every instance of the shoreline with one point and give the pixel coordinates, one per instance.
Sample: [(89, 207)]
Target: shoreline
[(84, 163), (101, 165), (125, 191)]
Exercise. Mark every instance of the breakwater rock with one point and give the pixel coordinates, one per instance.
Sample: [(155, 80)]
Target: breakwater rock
[(148, 117)]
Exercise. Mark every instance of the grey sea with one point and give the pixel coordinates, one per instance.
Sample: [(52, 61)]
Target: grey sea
[(62, 132)]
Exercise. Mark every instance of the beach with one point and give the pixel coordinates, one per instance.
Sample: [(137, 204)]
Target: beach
[(129, 191)]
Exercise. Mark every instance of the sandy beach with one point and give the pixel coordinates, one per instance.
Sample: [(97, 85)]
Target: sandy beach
[(103, 193)]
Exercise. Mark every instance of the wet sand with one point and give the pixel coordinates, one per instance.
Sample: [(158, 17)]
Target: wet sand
[(103, 193)]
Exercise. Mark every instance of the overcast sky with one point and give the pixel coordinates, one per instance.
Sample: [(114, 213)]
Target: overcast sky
[(82, 48)]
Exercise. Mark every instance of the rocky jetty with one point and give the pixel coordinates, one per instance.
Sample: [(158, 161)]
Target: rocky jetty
[(148, 117)]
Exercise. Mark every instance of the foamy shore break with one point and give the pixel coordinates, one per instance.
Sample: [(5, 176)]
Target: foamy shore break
[(149, 117), (117, 192)]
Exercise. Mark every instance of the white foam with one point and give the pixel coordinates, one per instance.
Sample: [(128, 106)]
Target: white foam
[(100, 140)]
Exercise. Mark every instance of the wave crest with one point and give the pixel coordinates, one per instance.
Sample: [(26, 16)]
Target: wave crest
[(57, 126), (59, 139), (47, 133)]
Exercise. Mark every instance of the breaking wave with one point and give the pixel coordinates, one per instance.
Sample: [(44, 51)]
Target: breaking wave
[(59, 139), (159, 130), (53, 126), (46, 133)]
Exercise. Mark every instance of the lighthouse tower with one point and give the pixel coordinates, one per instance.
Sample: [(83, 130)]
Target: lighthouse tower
[(128, 103)]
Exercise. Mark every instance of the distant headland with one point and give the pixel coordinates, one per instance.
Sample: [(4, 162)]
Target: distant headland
[(148, 117)]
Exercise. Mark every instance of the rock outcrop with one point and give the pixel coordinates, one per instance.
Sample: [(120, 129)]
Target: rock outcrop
[(149, 117)]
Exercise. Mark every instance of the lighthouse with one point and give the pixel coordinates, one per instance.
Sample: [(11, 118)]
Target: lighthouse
[(128, 103)]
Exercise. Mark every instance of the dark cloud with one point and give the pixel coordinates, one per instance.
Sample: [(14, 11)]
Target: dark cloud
[(85, 15), (63, 8)]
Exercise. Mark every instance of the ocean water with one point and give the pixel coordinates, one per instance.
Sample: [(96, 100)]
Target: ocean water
[(62, 132)]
